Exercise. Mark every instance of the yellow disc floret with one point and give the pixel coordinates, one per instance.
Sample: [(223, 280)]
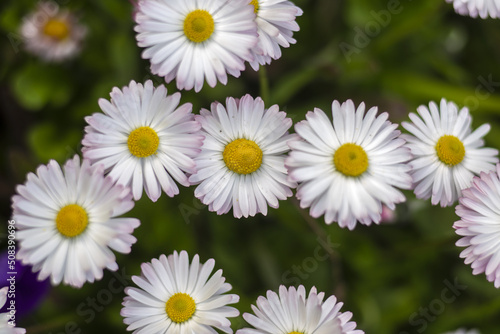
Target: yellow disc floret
[(450, 150), (350, 160), (295, 333), (72, 220), (180, 307), (56, 29), (255, 4), (242, 156), (143, 142), (198, 26)]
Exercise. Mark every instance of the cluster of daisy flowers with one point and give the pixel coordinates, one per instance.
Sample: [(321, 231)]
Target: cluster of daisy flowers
[(196, 41), (175, 295), (188, 40), (241, 156)]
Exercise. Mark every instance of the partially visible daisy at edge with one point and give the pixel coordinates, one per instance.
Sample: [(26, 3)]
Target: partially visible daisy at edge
[(144, 139), (348, 170), (447, 154), (195, 41), (464, 331), (479, 225), (292, 311), (68, 222), (475, 8), (175, 295), (241, 165), (275, 26), (5, 318), (52, 33)]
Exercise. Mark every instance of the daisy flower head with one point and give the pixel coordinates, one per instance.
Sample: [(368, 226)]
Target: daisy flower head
[(347, 170), (241, 165), (176, 296), (479, 212), (275, 26), (5, 318), (67, 221), (52, 33), (144, 139), (463, 331), (475, 8), (293, 312), (196, 40), (446, 152)]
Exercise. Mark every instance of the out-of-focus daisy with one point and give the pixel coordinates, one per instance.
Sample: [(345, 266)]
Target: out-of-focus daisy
[(144, 139), (275, 26), (479, 211), (67, 222), (193, 41), (175, 296), (51, 33), (463, 331), (348, 169), (475, 8), (446, 153), (5, 318), (292, 312), (388, 215), (242, 160)]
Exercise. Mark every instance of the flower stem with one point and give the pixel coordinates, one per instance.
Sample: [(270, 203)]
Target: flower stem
[(264, 85)]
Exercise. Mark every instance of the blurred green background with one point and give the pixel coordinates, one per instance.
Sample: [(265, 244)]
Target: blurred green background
[(391, 276)]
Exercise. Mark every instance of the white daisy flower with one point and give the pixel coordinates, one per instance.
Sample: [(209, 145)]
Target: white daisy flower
[(479, 211), (6, 323), (475, 8), (144, 139), (347, 170), (242, 160), (446, 153), (68, 222), (175, 296), (51, 33), (196, 40), (292, 312), (275, 26), (463, 331)]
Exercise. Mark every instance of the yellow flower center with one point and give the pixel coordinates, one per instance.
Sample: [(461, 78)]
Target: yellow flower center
[(242, 156), (450, 150), (350, 160), (56, 29), (198, 26), (72, 220), (255, 4), (180, 307), (143, 142), (295, 333)]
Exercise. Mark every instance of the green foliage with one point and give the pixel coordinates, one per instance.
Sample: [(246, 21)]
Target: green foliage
[(384, 274)]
